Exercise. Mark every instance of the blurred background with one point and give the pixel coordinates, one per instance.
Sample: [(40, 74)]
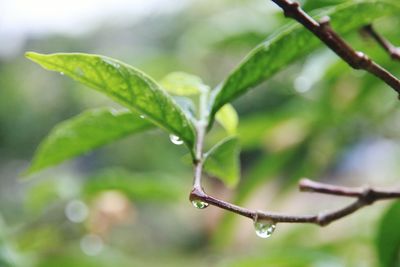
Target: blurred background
[(126, 204)]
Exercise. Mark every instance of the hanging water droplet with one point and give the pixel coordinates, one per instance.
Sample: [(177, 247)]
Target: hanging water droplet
[(62, 73), (142, 116), (199, 204), (264, 228), (175, 139)]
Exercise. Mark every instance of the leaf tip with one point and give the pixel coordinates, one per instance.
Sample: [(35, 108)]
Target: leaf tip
[(26, 174), (33, 56)]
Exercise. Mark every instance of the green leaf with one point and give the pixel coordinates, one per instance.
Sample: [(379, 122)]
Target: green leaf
[(83, 133), (124, 84), (388, 239), (222, 161), (293, 42), (228, 118), (183, 84)]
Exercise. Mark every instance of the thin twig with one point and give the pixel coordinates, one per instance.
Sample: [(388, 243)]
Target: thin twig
[(327, 35), (368, 193), (364, 197), (393, 51)]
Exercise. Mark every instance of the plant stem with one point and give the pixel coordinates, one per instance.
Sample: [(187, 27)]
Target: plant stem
[(201, 126), (327, 35), (364, 195), (393, 51)]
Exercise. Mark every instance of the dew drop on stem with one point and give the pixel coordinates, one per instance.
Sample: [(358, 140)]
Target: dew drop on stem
[(199, 204), (175, 139), (264, 227)]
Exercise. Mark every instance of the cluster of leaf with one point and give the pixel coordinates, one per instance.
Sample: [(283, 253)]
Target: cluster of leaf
[(152, 104), (172, 105)]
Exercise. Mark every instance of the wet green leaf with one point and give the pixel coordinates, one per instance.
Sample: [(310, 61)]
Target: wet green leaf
[(222, 161), (293, 42), (126, 85), (388, 239), (83, 133)]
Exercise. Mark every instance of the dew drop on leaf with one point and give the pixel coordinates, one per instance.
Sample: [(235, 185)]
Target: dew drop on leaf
[(264, 228), (142, 116), (199, 204), (111, 63), (175, 139), (79, 71)]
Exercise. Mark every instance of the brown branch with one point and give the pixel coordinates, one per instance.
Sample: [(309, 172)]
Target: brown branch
[(370, 194), (327, 35), (392, 50), (364, 197)]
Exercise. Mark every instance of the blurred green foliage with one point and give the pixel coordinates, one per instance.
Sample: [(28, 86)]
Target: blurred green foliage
[(126, 203)]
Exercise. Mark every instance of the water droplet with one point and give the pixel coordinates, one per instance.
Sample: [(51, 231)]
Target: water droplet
[(76, 211), (62, 73), (142, 116), (79, 71), (114, 111), (264, 228), (199, 204), (111, 63), (91, 244), (175, 139)]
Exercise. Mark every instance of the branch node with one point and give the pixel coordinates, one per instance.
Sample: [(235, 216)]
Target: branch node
[(195, 161), (291, 9), (325, 22), (395, 53), (305, 185), (367, 196), (362, 61), (322, 219), (197, 194)]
